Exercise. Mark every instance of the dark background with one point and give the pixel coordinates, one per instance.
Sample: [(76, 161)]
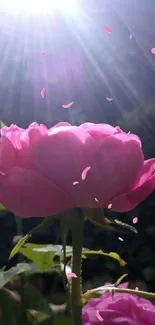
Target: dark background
[(85, 64)]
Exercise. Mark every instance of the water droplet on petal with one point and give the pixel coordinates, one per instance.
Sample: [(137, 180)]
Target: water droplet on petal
[(120, 239), (135, 220), (99, 317), (43, 92), (71, 275), (84, 173), (75, 183), (110, 206), (68, 105), (107, 29), (109, 99), (153, 50)]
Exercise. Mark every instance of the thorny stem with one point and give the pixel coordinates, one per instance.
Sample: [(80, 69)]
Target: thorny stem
[(77, 224)]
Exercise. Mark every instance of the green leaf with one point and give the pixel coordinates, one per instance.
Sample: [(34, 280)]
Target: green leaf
[(43, 225), (6, 276), (97, 217), (41, 255), (125, 226), (2, 208), (120, 280), (2, 124), (100, 252), (57, 321), (32, 299), (17, 247)]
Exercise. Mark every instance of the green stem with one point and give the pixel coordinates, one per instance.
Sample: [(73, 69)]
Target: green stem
[(99, 291), (77, 224)]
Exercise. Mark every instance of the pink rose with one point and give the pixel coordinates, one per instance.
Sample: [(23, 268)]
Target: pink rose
[(119, 309), (40, 169)]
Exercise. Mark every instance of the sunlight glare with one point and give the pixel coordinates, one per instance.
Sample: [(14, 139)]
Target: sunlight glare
[(38, 6)]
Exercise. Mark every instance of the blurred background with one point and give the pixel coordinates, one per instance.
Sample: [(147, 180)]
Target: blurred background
[(98, 54)]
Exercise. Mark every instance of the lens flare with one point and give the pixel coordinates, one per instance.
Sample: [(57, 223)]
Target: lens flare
[(38, 6)]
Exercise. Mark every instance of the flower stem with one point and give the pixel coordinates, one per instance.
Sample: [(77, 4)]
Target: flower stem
[(77, 224), (99, 291)]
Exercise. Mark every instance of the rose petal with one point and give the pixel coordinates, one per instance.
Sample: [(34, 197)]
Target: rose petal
[(120, 239), (43, 92), (68, 105), (71, 275), (60, 124), (120, 170), (27, 193), (84, 173), (8, 155), (135, 220), (99, 317), (100, 131), (107, 29), (18, 140), (109, 99), (153, 50), (139, 192)]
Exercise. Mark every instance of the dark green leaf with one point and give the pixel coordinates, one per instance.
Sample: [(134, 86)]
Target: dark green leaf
[(12, 311), (57, 321), (32, 299), (7, 308)]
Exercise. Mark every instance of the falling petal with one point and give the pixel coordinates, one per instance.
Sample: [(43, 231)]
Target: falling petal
[(153, 50), (75, 183), (71, 275), (109, 99), (120, 238), (135, 220), (110, 206), (130, 36), (107, 29), (68, 105), (136, 288), (43, 53), (96, 199), (99, 317), (84, 173), (43, 92)]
